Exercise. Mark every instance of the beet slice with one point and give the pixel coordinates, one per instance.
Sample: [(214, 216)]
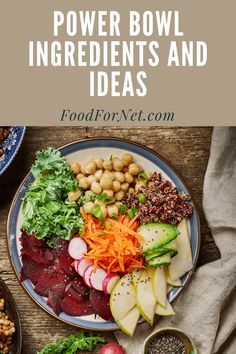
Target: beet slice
[(33, 240), (75, 294), (101, 304), (64, 263), (75, 308), (49, 279), (39, 254), (55, 297), (79, 285), (31, 270)]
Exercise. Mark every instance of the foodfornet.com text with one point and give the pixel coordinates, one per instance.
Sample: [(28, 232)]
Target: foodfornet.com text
[(124, 115)]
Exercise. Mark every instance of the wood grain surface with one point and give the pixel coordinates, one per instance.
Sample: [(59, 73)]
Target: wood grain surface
[(186, 148)]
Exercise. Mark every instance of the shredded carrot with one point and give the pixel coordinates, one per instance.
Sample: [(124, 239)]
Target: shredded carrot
[(116, 249)]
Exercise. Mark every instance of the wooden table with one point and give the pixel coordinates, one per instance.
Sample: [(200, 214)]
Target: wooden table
[(186, 148)]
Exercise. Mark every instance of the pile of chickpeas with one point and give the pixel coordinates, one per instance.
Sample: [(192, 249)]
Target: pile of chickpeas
[(7, 328), (114, 177)]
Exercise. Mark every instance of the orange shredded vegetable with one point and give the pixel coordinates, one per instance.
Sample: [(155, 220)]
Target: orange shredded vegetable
[(113, 244)]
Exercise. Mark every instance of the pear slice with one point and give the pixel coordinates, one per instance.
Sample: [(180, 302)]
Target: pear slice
[(159, 285), (123, 297), (170, 281), (182, 262), (146, 301), (136, 274), (162, 311), (129, 322)]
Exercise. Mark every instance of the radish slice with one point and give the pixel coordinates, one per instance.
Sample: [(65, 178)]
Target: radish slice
[(77, 248), (76, 264), (97, 278), (87, 275), (109, 282), (83, 264)]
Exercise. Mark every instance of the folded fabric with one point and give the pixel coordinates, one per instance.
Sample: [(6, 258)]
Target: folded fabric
[(206, 309)]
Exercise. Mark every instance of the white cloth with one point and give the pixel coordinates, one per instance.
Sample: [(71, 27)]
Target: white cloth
[(206, 309)]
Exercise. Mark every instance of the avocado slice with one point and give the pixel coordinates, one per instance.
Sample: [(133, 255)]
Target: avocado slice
[(158, 261), (156, 235)]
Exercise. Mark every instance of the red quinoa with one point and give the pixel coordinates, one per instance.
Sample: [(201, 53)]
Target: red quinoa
[(163, 203)]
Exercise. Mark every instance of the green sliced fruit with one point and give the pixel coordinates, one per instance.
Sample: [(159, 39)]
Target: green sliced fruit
[(170, 281), (159, 285), (156, 235), (182, 263), (162, 260), (129, 322), (146, 301), (136, 274), (123, 297), (165, 311)]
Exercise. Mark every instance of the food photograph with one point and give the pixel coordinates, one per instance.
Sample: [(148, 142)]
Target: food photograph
[(117, 241)]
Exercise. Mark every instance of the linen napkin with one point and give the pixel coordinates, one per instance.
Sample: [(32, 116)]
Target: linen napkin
[(206, 309)]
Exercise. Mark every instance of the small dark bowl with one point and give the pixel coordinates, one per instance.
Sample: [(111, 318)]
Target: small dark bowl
[(11, 310)]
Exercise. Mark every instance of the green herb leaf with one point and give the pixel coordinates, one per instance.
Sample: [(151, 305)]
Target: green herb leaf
[(123, 209), (142, 198), (72, 344), (97, 212), (101, 197), (142, 177), (47, 211), (131, 212)]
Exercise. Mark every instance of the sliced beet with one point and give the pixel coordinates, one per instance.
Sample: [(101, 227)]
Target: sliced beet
[(64, 263), (101, 304), (61, 247), (55, 297), (75, 308), (49, 279), (39, 254), (79, 285), (31, 270), (33, 240), (75, 294)]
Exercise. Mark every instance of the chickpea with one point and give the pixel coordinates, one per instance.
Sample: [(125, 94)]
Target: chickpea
[(134, 169), (91, 179), (119, 176), (116, 186), (98, 175), (96, 187), (138, 186), (124, 187), (119, 195), (109, 175), (128, 177), (117, 164), (88, 195), (118, 204), (88, 207), (75, 167), (107, 165), (99, 162), (82, 170), (79, 176), (109, 193), (104, 210), (127, 158), (131, 190), (149, 175), (112, 210), (73, 196), (106, 182), (90, 168), (83, 183)]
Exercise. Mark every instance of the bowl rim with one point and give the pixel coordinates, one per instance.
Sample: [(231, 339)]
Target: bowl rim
[(168, 329), (190, 273), (10, 296)]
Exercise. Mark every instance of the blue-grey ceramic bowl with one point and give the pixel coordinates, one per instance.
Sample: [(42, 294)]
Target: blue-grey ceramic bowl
[(10, 146), (80, 151)]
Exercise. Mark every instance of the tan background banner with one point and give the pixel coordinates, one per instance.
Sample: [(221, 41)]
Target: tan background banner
[(176, 95)]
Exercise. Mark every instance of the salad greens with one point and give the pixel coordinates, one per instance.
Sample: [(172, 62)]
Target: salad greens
[(72, 344), (47, 211)]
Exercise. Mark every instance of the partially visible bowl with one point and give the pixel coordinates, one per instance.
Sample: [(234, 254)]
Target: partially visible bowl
[(11, 310), (11, 146), (190, 347)]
